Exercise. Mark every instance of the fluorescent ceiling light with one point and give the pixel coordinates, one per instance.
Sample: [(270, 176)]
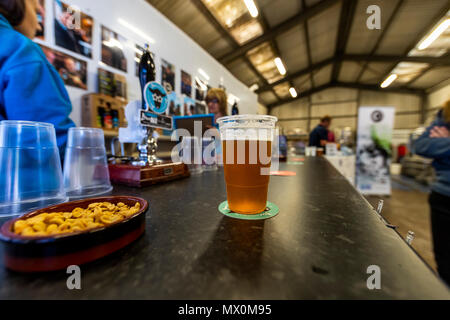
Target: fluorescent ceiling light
[(280, 66), (251, 8), (293, 92), (386, 83), (136, 30), (204, 74), (435, 34), (254, 87)]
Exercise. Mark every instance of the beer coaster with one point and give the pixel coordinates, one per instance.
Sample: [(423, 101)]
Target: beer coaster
[(283, 173), (271, 211), (296, 163)]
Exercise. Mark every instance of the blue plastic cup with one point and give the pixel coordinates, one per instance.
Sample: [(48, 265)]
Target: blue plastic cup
[(30, 167)]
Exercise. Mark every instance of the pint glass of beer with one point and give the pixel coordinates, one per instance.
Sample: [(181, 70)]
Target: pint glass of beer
[(247, 153)]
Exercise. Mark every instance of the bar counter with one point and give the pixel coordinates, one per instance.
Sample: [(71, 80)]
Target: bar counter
[(318, 247)]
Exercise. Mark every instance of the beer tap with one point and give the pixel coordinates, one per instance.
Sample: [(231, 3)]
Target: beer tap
[(148, 146)]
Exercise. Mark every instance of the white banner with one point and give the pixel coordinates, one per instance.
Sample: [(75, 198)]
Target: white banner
[(373, 154)]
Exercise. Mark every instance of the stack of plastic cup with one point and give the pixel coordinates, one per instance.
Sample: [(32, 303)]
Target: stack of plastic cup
[(30, 167), (85, 165)]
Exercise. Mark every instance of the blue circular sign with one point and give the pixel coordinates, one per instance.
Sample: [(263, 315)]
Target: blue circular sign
[(156, 97)]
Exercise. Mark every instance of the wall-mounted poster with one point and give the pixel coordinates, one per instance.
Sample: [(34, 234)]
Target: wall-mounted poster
[(72, 71), (373, 151), (112, 49), (112, 84), (73, 29), (139, 51), (200, 90), (186, 83), (105, 82), (168, 76), (189, 106), (41, 20)]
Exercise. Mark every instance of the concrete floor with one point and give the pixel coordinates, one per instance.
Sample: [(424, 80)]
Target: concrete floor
[(408, 209)]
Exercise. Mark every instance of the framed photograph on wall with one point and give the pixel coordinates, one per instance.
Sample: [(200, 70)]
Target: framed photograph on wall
[(72, 70), (71, 33), (186, 83), (200, 90), (168, 76), (113, 49)]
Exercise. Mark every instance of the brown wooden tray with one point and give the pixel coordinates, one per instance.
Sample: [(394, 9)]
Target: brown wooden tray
[(50, 253)]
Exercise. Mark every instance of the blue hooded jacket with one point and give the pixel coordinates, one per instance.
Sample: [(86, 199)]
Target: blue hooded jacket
[(439, 150), (30, 87)]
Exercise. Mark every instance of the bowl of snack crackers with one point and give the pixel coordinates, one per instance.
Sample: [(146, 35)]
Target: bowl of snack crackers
[(72, 233)]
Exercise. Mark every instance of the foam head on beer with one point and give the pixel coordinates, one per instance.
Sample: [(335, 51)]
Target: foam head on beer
[(247, 154)]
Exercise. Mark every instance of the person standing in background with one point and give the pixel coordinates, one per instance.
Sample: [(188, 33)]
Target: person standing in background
[(319, 136), (217, 102), (30, 87), (435, 143)]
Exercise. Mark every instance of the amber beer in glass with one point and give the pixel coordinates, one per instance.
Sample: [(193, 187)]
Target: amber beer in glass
[(247, 150)]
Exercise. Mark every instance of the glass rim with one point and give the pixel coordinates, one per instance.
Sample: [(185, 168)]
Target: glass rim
[(86, 129), (247, 117), (16, 123)]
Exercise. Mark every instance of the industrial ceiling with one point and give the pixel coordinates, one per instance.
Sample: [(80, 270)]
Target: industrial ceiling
[(319, 43)]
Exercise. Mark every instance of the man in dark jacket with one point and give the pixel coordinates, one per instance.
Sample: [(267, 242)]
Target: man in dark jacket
[(435, 143), (319, 136)]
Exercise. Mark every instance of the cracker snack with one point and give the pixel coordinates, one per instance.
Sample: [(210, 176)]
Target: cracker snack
[(98, 214)]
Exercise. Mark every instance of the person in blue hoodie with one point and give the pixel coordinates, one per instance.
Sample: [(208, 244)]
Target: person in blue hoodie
[(30, 87), (435, 143)]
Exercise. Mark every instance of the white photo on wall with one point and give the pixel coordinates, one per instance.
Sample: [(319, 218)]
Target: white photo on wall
[(71, 34), (113, 49)]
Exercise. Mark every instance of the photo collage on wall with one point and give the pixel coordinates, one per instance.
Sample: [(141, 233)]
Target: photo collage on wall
[(73, 33)]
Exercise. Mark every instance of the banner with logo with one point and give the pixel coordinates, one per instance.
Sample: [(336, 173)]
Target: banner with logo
[(373, 154)]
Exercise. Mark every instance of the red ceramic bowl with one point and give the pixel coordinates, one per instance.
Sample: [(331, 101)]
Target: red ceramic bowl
[(38, 254)]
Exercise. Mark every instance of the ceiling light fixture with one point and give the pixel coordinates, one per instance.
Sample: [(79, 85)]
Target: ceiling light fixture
[(136, 30), (254, 87), (293, 92), (435, 34), (204, 74), (280, 66), (386, 83), (251, 8)]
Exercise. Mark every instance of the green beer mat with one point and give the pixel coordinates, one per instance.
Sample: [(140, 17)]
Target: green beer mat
[(271, 211)]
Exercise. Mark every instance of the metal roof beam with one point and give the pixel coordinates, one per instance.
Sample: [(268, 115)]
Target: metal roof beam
[(345, 24), (277, 30)]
